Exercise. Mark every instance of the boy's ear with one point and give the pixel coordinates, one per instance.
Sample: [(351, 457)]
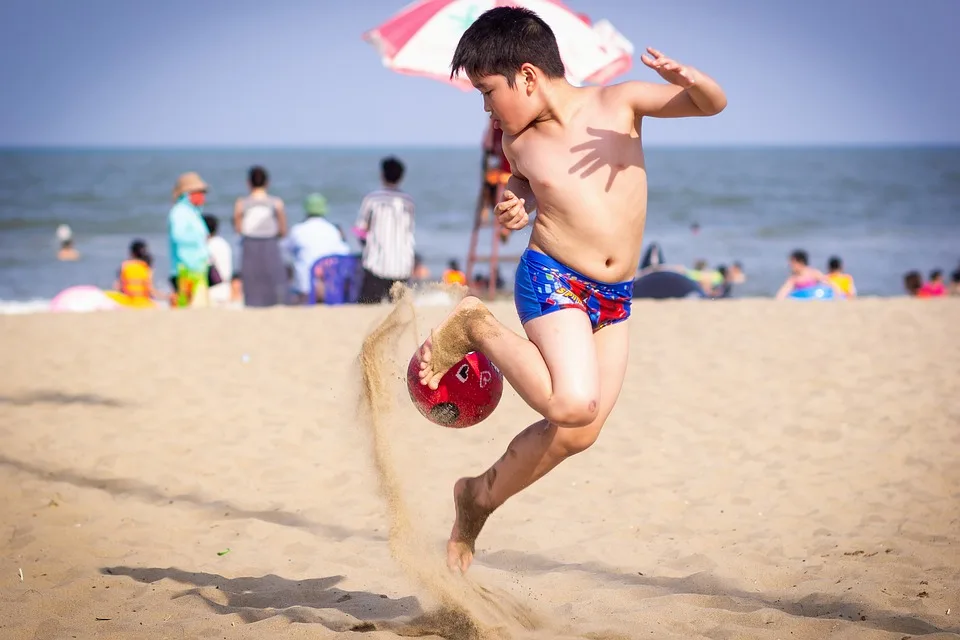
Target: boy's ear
[(529, 77)]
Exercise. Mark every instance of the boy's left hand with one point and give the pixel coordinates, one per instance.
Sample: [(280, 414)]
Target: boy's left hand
[(670, 70)]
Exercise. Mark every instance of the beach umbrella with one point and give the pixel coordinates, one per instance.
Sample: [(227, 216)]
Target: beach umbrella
[(421, 39)]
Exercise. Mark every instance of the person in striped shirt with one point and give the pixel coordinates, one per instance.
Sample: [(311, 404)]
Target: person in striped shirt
[(385, 229)]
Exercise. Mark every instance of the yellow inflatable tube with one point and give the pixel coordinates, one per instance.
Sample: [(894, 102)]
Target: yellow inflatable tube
[(134, 303)]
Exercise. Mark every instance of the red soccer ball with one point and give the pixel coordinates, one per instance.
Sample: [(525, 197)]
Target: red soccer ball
[(466, 395)]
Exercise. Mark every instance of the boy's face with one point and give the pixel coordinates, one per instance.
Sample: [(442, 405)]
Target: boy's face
[(511, 108)]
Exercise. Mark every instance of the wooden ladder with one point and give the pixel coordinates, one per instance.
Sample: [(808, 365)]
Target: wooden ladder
[(483, 217)]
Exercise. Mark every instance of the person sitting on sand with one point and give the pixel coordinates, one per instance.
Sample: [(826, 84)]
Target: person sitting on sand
[(421, 272), (843, 280), (934, 287), (67, 252), (135, 276), (803, 276), (955, 283), (453, 274), (725, 288), (706, 278), (913, 284), (574, 282)]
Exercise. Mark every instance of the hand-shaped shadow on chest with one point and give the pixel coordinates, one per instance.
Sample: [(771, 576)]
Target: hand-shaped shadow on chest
[(606, 148)]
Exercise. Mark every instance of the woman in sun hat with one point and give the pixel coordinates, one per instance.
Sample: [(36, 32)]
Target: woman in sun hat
[(189, 257)]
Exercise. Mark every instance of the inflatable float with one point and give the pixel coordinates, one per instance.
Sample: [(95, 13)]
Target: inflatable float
[(816, 292), (124, 300), (83, 298)]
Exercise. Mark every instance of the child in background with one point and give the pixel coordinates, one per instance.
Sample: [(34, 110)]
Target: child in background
[(135, 277), (453, 274), (221, 259), (803, 276), (934, 287), (843, 281)]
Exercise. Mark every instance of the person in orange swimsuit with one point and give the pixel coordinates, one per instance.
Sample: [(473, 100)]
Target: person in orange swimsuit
[(135, 277)]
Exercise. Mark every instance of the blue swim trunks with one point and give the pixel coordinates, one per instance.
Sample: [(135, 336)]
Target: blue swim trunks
[(544, 285)]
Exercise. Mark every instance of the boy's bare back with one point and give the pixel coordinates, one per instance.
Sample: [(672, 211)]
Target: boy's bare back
[(590, 183)]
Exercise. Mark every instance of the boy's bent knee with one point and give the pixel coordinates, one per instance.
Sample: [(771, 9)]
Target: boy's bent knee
[(574, 440), (572, 411)]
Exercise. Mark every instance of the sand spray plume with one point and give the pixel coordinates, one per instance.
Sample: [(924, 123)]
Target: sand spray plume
[(467, 611)]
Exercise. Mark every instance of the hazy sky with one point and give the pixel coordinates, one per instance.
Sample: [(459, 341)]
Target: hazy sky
[(296, 72)]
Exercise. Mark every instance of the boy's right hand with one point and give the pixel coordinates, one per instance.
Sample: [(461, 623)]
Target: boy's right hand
[(511, 212)]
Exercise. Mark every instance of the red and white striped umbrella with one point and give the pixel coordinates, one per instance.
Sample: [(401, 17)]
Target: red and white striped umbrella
[(421, 39)]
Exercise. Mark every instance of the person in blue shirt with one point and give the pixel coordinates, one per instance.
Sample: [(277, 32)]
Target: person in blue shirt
[(189, 257)]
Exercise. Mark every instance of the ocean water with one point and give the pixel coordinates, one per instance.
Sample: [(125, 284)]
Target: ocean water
[(884, 211)]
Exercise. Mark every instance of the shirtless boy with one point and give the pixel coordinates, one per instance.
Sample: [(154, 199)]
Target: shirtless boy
[(577, 160)]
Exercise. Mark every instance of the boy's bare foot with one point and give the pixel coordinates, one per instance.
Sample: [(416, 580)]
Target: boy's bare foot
[(467, 525), (450, 341)]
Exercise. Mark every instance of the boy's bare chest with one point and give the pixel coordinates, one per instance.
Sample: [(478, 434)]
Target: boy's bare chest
[(552, 161)]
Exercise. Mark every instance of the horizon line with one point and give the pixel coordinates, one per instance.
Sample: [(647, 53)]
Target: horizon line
[(464, 147)]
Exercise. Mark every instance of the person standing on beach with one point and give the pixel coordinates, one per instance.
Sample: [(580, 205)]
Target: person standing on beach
[(385, 228), (261, 221), (189, 258), (577, 160)]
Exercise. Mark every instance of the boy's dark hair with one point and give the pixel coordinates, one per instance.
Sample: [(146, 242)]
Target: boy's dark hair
[(258, 177), (834, 264), (936, 273), (800, 256), (212, 223), (502, 40), (955, 277), (391, 170)]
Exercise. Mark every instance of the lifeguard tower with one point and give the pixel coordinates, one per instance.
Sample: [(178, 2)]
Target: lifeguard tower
[(494, 173)]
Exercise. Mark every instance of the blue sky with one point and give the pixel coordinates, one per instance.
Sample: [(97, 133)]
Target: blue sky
[(296, 73)]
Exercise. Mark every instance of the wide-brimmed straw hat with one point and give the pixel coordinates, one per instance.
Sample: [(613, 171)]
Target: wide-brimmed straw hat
[(188, 183)]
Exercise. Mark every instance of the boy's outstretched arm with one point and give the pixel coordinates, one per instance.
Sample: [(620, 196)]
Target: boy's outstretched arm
[(690, 93)]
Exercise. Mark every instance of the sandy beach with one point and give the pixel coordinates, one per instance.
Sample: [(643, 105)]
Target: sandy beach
[(772, 470)]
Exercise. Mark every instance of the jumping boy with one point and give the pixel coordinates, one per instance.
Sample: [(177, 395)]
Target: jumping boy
[(577, 159)]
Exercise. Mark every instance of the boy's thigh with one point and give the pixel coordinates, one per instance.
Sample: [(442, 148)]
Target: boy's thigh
[(566, 342), (613, 352)]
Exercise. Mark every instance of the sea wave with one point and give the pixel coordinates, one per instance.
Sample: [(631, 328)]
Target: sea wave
[(18, 307)]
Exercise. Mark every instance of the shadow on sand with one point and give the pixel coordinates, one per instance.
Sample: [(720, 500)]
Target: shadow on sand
[(219, 509), (816, 605), (255, 599), (60, 398)]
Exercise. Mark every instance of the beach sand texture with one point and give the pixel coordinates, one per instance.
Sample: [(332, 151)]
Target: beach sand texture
[(772, 470)]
